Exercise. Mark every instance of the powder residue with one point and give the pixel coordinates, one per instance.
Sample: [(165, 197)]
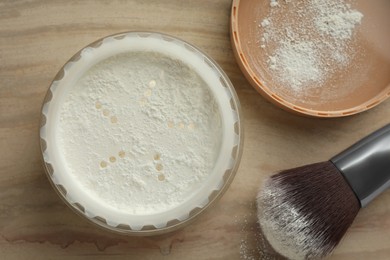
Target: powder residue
[(140, 132), (283, 223), (274, 3), (253, 244), (336, 19), (306, 42), (298, 62)]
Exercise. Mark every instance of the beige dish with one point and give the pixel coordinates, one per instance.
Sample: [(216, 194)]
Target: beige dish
[(361, 86)]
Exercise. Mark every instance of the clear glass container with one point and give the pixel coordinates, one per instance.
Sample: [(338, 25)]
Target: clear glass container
[(226, 163)]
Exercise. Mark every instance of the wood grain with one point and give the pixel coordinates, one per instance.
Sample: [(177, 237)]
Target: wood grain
[(38, 37)]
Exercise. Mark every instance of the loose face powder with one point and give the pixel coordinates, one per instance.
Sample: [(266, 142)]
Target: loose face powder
[(141, 132)]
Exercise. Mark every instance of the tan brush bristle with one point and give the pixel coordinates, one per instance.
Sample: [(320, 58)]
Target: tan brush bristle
[(304, 212)]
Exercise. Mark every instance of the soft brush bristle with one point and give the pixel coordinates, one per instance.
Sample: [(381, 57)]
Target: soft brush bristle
[(304, 212)]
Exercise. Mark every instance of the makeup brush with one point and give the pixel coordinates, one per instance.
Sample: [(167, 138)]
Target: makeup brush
[(304, 212)]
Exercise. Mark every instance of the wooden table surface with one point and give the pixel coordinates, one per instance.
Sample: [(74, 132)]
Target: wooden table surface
[(38, 37)]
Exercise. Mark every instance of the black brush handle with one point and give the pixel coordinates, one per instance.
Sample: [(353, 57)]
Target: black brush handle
[(366, 165)]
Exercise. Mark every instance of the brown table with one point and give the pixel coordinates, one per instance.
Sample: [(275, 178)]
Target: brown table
[(38, 37)]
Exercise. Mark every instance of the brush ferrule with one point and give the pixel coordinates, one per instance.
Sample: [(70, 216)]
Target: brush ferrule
[(366, 165)]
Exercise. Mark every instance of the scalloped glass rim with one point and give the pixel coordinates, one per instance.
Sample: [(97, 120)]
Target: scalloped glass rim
[(214, 194)]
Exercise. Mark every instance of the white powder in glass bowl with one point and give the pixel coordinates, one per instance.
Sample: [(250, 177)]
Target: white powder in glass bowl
[(140, 132)]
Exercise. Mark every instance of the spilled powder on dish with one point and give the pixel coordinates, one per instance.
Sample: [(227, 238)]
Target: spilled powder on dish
[(312, 42)]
